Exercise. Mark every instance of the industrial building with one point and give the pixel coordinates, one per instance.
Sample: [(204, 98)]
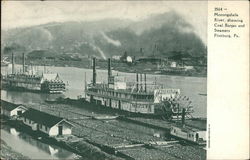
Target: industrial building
[(11, 110), (46, 123)]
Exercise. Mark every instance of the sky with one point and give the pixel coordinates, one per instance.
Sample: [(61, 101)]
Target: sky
[(27, 13)]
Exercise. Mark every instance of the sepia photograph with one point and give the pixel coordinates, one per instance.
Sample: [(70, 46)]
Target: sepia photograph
[(104, 80)]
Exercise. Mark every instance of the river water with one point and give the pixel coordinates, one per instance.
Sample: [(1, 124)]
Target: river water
[(21, 143), (75, 78)]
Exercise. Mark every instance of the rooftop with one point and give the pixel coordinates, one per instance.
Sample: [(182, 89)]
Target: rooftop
[(8, 105), (41, 117)]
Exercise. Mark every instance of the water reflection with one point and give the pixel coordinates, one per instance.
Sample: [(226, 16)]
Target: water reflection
[(52, 150), (32, 148), (14, 132)]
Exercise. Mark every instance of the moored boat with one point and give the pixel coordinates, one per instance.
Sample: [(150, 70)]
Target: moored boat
[(136, 97), (46, 82), (195, 135)]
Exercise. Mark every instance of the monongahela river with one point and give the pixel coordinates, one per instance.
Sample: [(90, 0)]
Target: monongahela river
[(75, 78)]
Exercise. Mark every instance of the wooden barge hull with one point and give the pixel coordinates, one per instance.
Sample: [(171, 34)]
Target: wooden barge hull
[(82, 103)]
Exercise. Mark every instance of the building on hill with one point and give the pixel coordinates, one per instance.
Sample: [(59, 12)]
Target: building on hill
[(116, 57), (126, 58), (46, 123), (150, 59), (129, 59), (11, 110), (181, 57)]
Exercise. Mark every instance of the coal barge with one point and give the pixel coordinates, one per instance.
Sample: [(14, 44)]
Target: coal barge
[(47, 82), (138, 97)]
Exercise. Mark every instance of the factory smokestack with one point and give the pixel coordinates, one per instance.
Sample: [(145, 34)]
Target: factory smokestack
[(23, 63), (141, 52), (109, 69), (94, 72), (12, 61)]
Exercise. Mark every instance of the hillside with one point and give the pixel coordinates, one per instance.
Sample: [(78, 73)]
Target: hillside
[(164, 35)]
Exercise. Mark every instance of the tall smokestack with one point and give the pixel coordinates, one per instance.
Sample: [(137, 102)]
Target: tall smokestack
[(94, 72), (12, 61), (141, 52), (137, 82), (145, 80), (44, 68), (23, 63), (109, 69), (183, 116), (32, 69)]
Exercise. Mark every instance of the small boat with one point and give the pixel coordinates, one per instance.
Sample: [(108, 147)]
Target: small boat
[(157, 72), (203, 94), (188, 133), (105, 117)]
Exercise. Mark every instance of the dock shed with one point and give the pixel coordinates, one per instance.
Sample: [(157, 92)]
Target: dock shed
[(46, 123), (11, 110)]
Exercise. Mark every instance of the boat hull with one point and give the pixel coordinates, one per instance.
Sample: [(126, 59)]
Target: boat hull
[(82, 103), (31, 84), (23, 89)]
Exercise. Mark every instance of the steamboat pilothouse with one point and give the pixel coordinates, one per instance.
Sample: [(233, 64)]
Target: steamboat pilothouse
[(137, 97)]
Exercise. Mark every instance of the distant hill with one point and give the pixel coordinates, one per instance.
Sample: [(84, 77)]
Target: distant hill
[(163, 35)]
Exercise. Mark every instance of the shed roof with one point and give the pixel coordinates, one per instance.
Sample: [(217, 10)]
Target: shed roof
[(41, 117), (8, 105)]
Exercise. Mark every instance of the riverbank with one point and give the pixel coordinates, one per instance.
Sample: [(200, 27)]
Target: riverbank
[(9, 153), (148, 68)]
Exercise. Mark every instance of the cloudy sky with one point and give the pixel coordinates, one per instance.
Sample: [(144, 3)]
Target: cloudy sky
[(26, 13)]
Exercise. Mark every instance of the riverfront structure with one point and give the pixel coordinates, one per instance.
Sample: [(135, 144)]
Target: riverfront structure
[(11, 110), (46, 123)]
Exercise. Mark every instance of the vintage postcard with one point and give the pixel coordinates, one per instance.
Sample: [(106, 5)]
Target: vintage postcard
[(141, 80)]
